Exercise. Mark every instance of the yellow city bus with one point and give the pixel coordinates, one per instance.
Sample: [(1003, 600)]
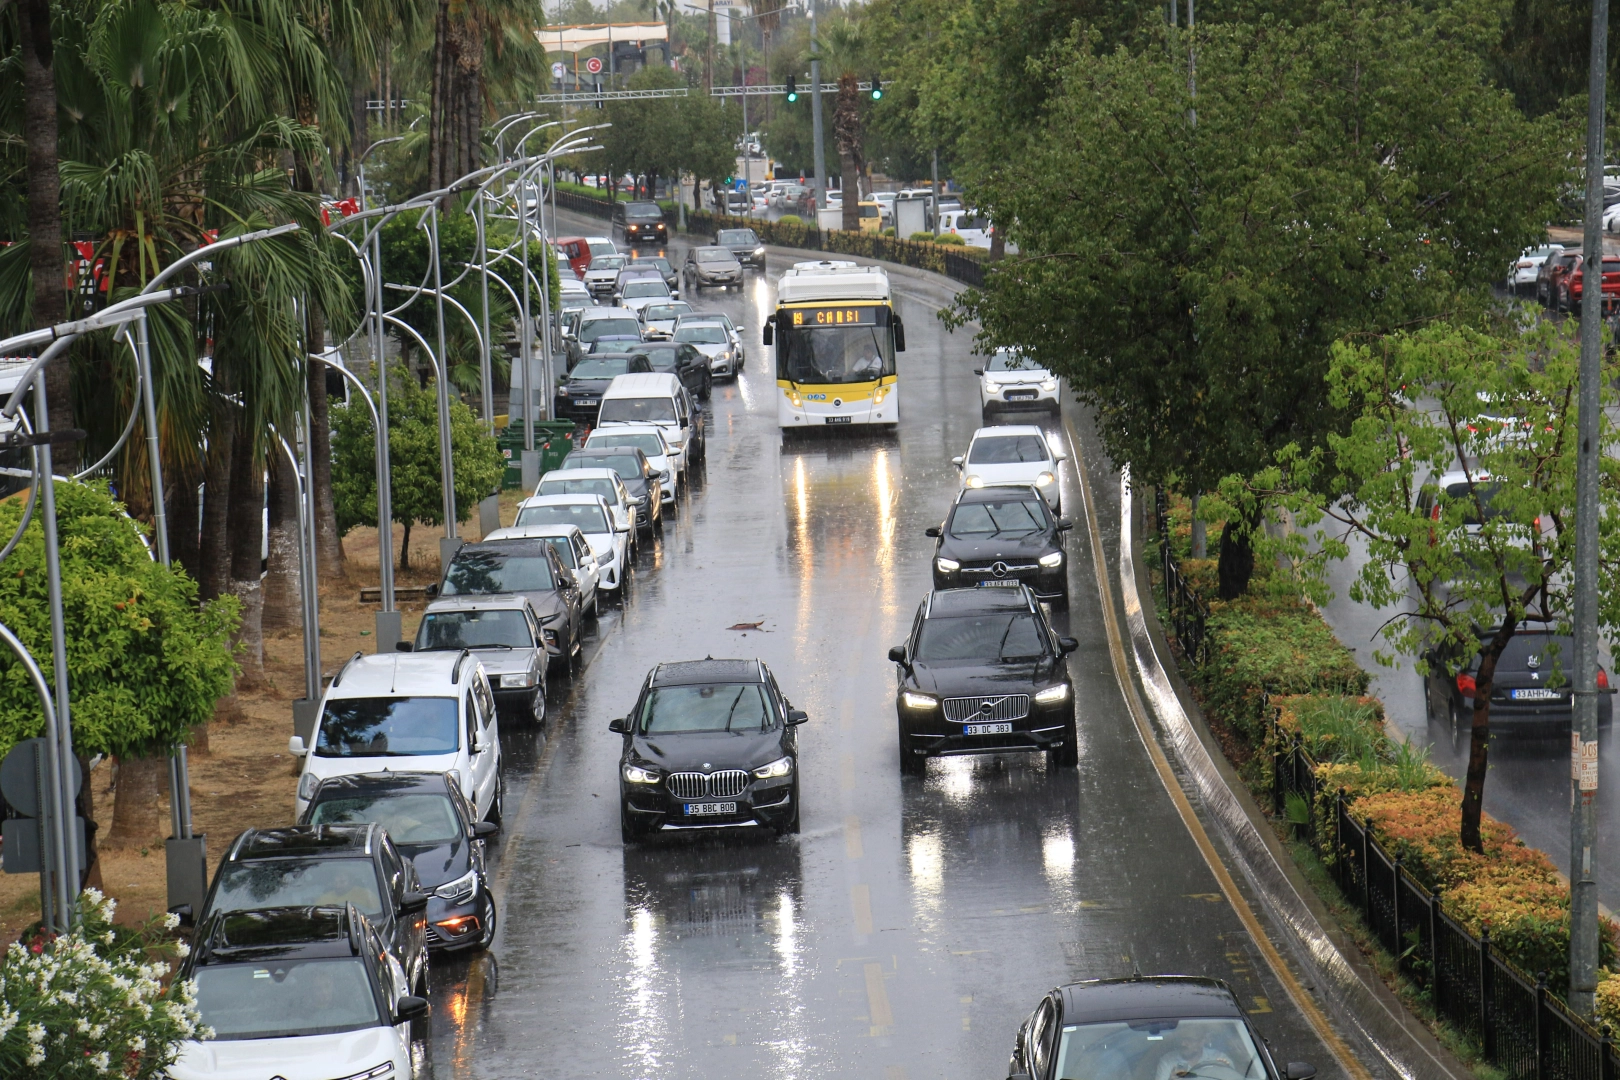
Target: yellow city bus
[(835, 334)]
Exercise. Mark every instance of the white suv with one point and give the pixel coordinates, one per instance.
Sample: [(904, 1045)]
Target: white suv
[(1012, 454), (1013, 381), (426, 712)]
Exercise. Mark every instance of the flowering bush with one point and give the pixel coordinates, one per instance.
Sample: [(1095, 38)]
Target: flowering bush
[(93, 1002), (1608, 998)]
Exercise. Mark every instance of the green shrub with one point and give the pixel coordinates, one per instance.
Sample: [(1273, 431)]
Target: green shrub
[(790, 219), (951, 239), (923, 237), (1277, 650), (889, 231)]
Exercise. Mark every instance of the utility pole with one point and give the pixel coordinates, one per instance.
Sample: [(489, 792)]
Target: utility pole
[(708, 62), (815, 118), (1583, 901)]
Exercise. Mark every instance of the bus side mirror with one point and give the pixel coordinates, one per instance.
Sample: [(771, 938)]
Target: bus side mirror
[(899, 336), (769, 332)]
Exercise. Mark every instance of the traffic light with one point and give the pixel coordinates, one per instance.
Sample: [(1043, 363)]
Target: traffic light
[(877, 88), (792, 89)]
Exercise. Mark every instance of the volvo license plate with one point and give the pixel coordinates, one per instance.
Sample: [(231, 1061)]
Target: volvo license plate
[(1001, 583), (840, 419), (710, 809), (1536, 693), (987, 729)]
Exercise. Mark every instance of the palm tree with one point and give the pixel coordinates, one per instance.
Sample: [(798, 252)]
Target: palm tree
[(843, 48)]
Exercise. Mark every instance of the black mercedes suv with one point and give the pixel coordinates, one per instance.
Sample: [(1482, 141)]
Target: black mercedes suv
[(984, 672), (710, 744), (1002, 537)]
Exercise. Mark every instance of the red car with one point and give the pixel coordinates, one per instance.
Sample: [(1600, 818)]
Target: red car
[(1572, 284), (577, 252)]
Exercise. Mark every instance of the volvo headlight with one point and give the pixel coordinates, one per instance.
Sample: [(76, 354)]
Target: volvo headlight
[(520, 681), (779, 767), (914, 700), (1049, 385), (637, 775), (307, 785), (946, 566), (1046, 479), (461, 890), (1053, 694), (974, 480), (1054, 559)]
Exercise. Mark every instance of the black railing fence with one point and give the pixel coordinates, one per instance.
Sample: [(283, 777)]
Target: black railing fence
[(1518, 1025), (1189, 615)]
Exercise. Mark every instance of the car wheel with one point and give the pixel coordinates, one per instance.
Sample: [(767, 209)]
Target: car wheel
[(487, 938), (497, 806), (708, 388), (1459, 721), (910, 764), (537, 707)]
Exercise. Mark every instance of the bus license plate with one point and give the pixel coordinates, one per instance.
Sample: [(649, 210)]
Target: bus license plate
[(1001, 583), (840, 419), (710, 809), (1536, 693), (987, 729)]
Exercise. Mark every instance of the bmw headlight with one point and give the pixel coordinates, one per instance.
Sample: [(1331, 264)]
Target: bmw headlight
[(521, 680), (1053, 694), (974, 480), (1049, 385), (461, 890), (1054, 559), (914, 700), (307, 785), (946, 566), (1046, 479), (637, 775), (780, 767)]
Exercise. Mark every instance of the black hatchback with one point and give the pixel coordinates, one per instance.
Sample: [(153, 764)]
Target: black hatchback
[(1169, 1026), (434, 826), (579, 393), (682, 360), (710, 744), (1000, 537), (983, 672), (1531, 691)]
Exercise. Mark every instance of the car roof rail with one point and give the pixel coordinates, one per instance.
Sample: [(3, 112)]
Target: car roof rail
[(236, 845), (339, 676), (455, 672)]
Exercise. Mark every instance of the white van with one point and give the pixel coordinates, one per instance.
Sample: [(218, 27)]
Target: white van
[(656, 397), (973, 227)]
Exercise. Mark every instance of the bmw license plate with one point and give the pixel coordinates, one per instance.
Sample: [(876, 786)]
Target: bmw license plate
[(1001, 583), (986, 729), (1536, 693), (840, 419), (1021, 395), (710, 809)]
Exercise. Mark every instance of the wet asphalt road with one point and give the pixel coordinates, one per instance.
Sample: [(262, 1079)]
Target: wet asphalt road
[(913, 924)]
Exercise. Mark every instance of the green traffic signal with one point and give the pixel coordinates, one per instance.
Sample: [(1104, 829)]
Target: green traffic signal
[(877, 89), (792, 89)]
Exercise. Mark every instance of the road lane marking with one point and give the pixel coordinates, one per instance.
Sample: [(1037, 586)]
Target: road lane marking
[(852, 837), (1133, 704), (847, 782), (880, 1016), (860, 902), (895, 1072)]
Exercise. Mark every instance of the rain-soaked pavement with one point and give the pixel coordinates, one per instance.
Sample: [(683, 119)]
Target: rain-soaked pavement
[(914, 923)]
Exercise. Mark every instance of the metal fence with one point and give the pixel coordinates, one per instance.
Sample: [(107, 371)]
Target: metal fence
[(1189, 615), (1518, 1025)]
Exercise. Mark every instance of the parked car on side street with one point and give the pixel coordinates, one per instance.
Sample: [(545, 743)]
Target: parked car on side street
[(1523, 271)]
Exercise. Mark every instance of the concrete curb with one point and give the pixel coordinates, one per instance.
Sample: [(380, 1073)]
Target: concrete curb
[(1355, 994)]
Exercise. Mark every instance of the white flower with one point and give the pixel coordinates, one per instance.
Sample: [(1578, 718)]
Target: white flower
[(36, 1056), (101, 1061), (36, 1033), (170, 921), (182, 950)]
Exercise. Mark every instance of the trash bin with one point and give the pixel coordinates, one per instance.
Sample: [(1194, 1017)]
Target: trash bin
[(553, 438), (510, 442)]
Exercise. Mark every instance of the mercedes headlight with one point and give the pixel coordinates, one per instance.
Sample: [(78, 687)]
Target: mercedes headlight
[(461, 890), (974, 480), (1054, 559), (307, 785), (637, 775), (946, 566), (914, 700), (519, 681), (780, 767), (1053, 694), (1046, 479)]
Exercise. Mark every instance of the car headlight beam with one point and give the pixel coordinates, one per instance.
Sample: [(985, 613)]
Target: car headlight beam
[(635, 774), (992, 388), (780, 767), (974, 480), (914, 700), (1046, 479), (946, 566), (1053, 559), (461, 890), (1049, 385), (1052, 695)]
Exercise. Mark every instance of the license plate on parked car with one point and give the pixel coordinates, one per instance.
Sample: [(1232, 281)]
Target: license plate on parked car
[(986, 729), (840, 419), (1001, 583), (1536, 693), (710, 809)]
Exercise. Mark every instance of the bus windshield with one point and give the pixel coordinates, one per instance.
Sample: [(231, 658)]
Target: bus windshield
[(835, 354)]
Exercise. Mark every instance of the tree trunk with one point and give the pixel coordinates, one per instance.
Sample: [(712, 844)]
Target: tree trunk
[(183, 507), (246, 531), (137, 801), (439, 115), (847, 134), (851, 194), (1479, 738), (360, 119), (214, 552), (405, 549), (328, 543), (44, 207), (1236, 565), (282, 594), (85, 806)]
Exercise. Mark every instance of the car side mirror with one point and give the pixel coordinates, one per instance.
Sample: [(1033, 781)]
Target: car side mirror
[(797, 716), (1068, 644), (616, 725), (1064, 525), (483, 830), (410, 1007), (411, 902), (978, 371), (676, 294), (933, 531), (478, 742), (431, 591), (897, 653), (296, 747), (404, 646), (1299, 1070), (957, 461), (1061, 455), (183, 913)]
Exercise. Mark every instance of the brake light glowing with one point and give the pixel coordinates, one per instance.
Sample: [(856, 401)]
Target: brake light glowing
[(1465, 684), (1603, 679)]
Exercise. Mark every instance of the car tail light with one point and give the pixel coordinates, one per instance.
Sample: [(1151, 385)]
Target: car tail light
[(1603, 679), (1465, 684)]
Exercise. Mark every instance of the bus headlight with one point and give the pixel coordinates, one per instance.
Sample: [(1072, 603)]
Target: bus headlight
[(974, 480), (1046, 479), (879, 394), (1054, 559), (795, 400), (947, 566)]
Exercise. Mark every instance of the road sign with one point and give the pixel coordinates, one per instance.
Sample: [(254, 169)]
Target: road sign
[(17, 778), (557, 70), (594, 65)]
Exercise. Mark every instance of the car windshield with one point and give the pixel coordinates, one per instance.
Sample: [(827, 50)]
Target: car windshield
[(296, 883), (660, 359), (564, 549), (739, 237), (707, 255), (587, 485), (1461, 495), (626, 465), (666, 312), (588, 516), (474, 630), (280, 999), (601, 367), (1011, 360), (648, 443), (638, 410), (389, 727), (702, 335), (691, 709), (643, 211), (599, 328), (490, 570), (1014, 517), (658, 261), (601, 248), (980, 638), (648, 287), (1212, 1049), (607, 262), (409, 817), (1008, 450)]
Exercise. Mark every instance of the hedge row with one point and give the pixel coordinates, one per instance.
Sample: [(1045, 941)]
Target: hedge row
[(1271, 649)]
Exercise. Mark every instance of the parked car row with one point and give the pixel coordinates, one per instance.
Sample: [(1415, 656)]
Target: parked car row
[(1557, 275)]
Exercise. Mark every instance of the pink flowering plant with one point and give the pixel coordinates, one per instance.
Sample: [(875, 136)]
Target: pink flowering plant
[(97, 1001)]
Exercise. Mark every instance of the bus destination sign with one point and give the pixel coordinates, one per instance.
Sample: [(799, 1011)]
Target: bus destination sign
[(835, 316)]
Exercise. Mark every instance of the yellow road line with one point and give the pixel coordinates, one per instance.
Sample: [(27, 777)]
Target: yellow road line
[(852, 837), (860, 903), (1133, 702), (881, 1016)]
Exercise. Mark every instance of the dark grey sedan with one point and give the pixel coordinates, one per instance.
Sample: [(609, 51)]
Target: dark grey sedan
[(706, 266), (744, 245)]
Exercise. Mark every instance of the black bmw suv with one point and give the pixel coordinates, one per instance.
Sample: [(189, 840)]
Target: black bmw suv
[(1002, 536), (710, 744), (984, 672)]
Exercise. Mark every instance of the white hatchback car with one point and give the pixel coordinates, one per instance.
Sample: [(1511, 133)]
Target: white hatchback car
[(650, 440), (1012, 454), (609, 543), (574, 551), (428, 712), (1013, 381), (604, 482)]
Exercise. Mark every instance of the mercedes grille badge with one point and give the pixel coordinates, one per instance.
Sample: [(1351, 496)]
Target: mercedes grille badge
[(999, 569)]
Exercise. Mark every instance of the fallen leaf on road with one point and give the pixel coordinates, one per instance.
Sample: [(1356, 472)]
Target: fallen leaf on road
[(748, 626)]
